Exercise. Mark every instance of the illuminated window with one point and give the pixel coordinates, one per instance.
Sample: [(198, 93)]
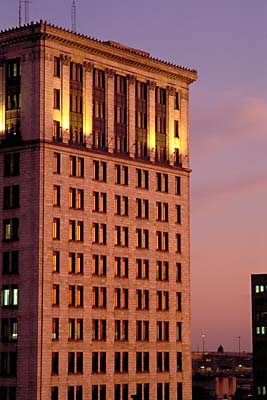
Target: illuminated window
[(121, 267), (99, 297), (75, 263), (162, 270), (9, 296), (142, 238), (99, 202), (57, 99), (75, 296), (162, 300), (99, 233), (142, 208), (56, 229), (121, 298), (11, 229), (142, 268), (121, 205), (142, 299), (56, 261), (99, 264), (55, 328), (56, 196), (55, 295), (121, 236)]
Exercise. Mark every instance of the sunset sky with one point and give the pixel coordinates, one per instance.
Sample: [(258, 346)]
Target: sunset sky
[(226, 41)]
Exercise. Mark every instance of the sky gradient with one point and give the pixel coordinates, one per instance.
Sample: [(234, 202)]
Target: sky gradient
[(226, 41)]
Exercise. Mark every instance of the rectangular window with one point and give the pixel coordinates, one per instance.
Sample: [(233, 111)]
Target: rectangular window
[(178, 243), (179, 361), (57, 99), (75, 296), (163, 362), (121, 267), (75, 263), (162, 211), (56, 229), (162, 271), (10, 262), (76, 231), (142, 299), (162, 241), (121, 362), (162, 330), (121, 234), (162, 300), (163, 391), (100, 171), (56, 196), (179, 391), (54, 364), (142, 208), (77, 166), (142, 361), (54, 393), (56, 261), (121, 330), (121, 298), (142, 268), (99, 233), (55, 295), (56, 163), (178, 301), (99, 297), (8, 364), (142, 390), (11, 164), (55, 329), (11, 229), (99, 265), (142, 238), (9, 296), (179, 331), (176, 129), (99, 392), (99, 202), (178, 185), (121, 175), (162, 182), (57, 67), (11, 197), (76, 198), (121, 392), (99, 329), (178, 213), (178, 272), (142, 330), (9, 330), (121, 205), (176, 101), (98, 362), (142, 177)]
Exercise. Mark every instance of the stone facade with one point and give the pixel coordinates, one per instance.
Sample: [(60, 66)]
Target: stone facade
[(59, 213)]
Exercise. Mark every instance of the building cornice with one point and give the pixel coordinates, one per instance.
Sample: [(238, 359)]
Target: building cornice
[(42, 30)]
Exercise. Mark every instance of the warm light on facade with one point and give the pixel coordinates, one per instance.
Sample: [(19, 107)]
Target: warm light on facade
[(2, 119)]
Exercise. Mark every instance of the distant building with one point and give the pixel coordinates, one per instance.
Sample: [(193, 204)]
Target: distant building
[(221, 375), (259, 334)]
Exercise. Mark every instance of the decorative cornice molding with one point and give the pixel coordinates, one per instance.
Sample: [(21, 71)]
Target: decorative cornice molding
[(88, 66), (151, 85), (131, 79), (171, 90), (110, 72), (65, 59)]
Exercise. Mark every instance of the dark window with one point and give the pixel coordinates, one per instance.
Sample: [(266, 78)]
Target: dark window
[(11, 164), (56, 163), (178, 243), (179, 361), (121, 174), (142, 176), (121, 330), (99, 329), (54, 393), (179, 391), (179, 331), (178, 185), (55, 328), (178, 272), (162, 182), (57, 99), (176, 101), (142, 268), (121, 267), (179, 301), (10, 262), (55, 362), (57, 67), (100, 171), (176, 129)]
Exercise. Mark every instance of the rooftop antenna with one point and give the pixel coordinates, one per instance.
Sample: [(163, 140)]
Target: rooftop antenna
[(26, 10), (19, 12), (73, 16)]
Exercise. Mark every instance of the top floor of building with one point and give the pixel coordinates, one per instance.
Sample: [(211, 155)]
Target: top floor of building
[(56, 85)]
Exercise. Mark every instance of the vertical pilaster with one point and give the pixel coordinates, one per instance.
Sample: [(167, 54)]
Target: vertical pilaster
[(184, 131), (131, 79), (110, 73), (170, 124), (2, 96), (151, 134), (65, 97), (88, 103)]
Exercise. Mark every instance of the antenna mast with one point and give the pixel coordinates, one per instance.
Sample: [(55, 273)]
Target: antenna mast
[(26, 11), (73, 16), (19, 12)]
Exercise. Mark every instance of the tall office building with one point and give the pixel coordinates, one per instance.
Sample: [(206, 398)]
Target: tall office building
[(95, 279), (259, 334)]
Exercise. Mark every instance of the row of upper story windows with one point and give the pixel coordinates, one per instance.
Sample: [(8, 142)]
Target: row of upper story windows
[(99, 297), (121, 392), (76, 233), (119, 334)]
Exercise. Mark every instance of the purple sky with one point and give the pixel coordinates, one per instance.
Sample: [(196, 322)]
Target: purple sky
[(226, 41)]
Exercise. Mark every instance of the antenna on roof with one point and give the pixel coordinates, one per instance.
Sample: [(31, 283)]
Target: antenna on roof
[(19, 12), (73, 16), (26, 11)]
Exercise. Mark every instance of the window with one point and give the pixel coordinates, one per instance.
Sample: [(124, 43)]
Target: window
[(56, 196), (162, 211), (76, 229), (179, 331), (100, 171), (121, 330), (57, 67), (76, 198), (77, 166), (142, 330), (176, 129), (178, 301), (55, 295), (99, 265), (75, 329), (162, 241), (56, 261), (55, 328), (121, 298), (142, 268), (179, 361), (142, 208), (121, 362), (142, 361), (121, 267), (142, 390), (57, 99), (176, 101), (57, 131), (163, 391), (9, 330), (9, 296), (75, 363), (121, 205), (178, 243), (163, 361), (11, 197), (162, 182), (142, 299), (162, 330), (56, 229), (179, 391), (178, 185), (99, 362), (162, 300), (178, 272), (75, 263), (121, 392), (11, 229), (178, 214), (142, 177), (54, 393), (54, 364), (72, 390), (99, 329), (56, 163), (121, 174), (99, 297), (162, 271), (99, 392), (121, 234), (75, 296), (10, 262), (100, 202), (8, 364), (99, 233), (11, 164), (142, 238)]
